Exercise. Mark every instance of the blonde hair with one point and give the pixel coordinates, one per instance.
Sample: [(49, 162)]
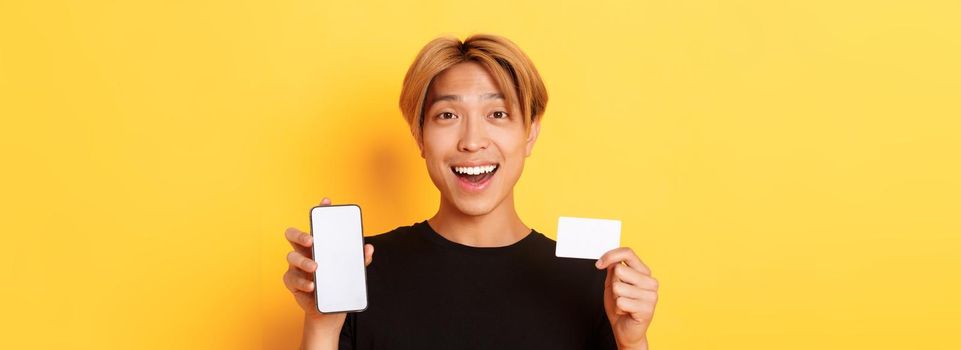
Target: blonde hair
[(507, 64)]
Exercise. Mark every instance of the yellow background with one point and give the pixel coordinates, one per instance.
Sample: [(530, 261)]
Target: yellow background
[(789, 169)]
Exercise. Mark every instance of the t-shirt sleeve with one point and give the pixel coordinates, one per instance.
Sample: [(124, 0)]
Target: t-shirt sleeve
[(347, 333), (603, 333)]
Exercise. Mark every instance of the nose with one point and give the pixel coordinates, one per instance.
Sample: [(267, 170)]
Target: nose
[(473, 135)]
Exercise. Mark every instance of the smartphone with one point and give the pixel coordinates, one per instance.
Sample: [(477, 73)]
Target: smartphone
[(340, 281)]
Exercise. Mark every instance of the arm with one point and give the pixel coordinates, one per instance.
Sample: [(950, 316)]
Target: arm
[(321, 331), (630, 295), (321, 334)]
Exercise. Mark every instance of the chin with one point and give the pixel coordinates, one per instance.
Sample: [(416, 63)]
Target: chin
[(474, 207)]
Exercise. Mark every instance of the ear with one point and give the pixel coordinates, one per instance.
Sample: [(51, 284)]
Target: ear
[(532, 136)]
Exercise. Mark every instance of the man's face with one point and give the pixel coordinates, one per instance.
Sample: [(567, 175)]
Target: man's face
[(473, 145)]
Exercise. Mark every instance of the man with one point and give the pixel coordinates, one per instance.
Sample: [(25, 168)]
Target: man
[(474, 276)]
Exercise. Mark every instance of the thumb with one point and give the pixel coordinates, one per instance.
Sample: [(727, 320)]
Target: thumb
[(368, 254)]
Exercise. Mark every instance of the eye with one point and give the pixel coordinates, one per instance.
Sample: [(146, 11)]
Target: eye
[(446, 115), (499, 115)]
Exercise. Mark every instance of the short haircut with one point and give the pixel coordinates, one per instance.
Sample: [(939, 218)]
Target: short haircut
[(507, 64)]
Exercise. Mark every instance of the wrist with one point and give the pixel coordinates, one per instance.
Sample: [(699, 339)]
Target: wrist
[(641, 345), (321, 332)]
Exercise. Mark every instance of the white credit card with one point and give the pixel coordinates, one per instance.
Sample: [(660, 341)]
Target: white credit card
[(586, 238)]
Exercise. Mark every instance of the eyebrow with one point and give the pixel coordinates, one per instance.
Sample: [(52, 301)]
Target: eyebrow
[(488, 96)]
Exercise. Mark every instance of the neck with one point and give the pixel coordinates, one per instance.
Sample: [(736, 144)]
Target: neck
[(500, 227)]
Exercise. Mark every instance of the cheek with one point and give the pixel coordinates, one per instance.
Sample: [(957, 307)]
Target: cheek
[(434, 161), (437, 139), (434, 151), (512, 144)]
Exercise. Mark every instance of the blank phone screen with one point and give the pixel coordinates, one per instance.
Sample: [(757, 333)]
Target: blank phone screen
[(340, 279)]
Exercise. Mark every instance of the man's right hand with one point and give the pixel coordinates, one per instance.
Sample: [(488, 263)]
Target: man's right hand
[(299, 279)]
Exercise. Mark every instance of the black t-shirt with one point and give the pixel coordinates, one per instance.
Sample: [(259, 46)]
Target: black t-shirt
[(427, 292)]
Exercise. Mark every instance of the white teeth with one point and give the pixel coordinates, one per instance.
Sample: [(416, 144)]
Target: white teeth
[(475, 170)]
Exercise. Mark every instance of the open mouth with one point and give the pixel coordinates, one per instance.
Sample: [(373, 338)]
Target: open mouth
[(475, 174)]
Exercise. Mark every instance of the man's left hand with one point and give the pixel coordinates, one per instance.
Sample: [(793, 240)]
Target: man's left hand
[(630, 294)]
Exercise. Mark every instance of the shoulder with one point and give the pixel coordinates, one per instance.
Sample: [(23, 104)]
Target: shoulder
[(396, 236)]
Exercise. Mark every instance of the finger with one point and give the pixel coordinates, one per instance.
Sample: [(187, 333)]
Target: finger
[(622, 254), (301, 262), (629, 275), (368, 254), (289, 277), (298, 239), (612, 274), (305, 299), (295, 282), (648, 296), (325, 201), (638, 309), (610, 278), (622, 289)]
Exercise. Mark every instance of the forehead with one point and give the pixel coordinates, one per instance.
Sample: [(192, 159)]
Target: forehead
[(466, 78)]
